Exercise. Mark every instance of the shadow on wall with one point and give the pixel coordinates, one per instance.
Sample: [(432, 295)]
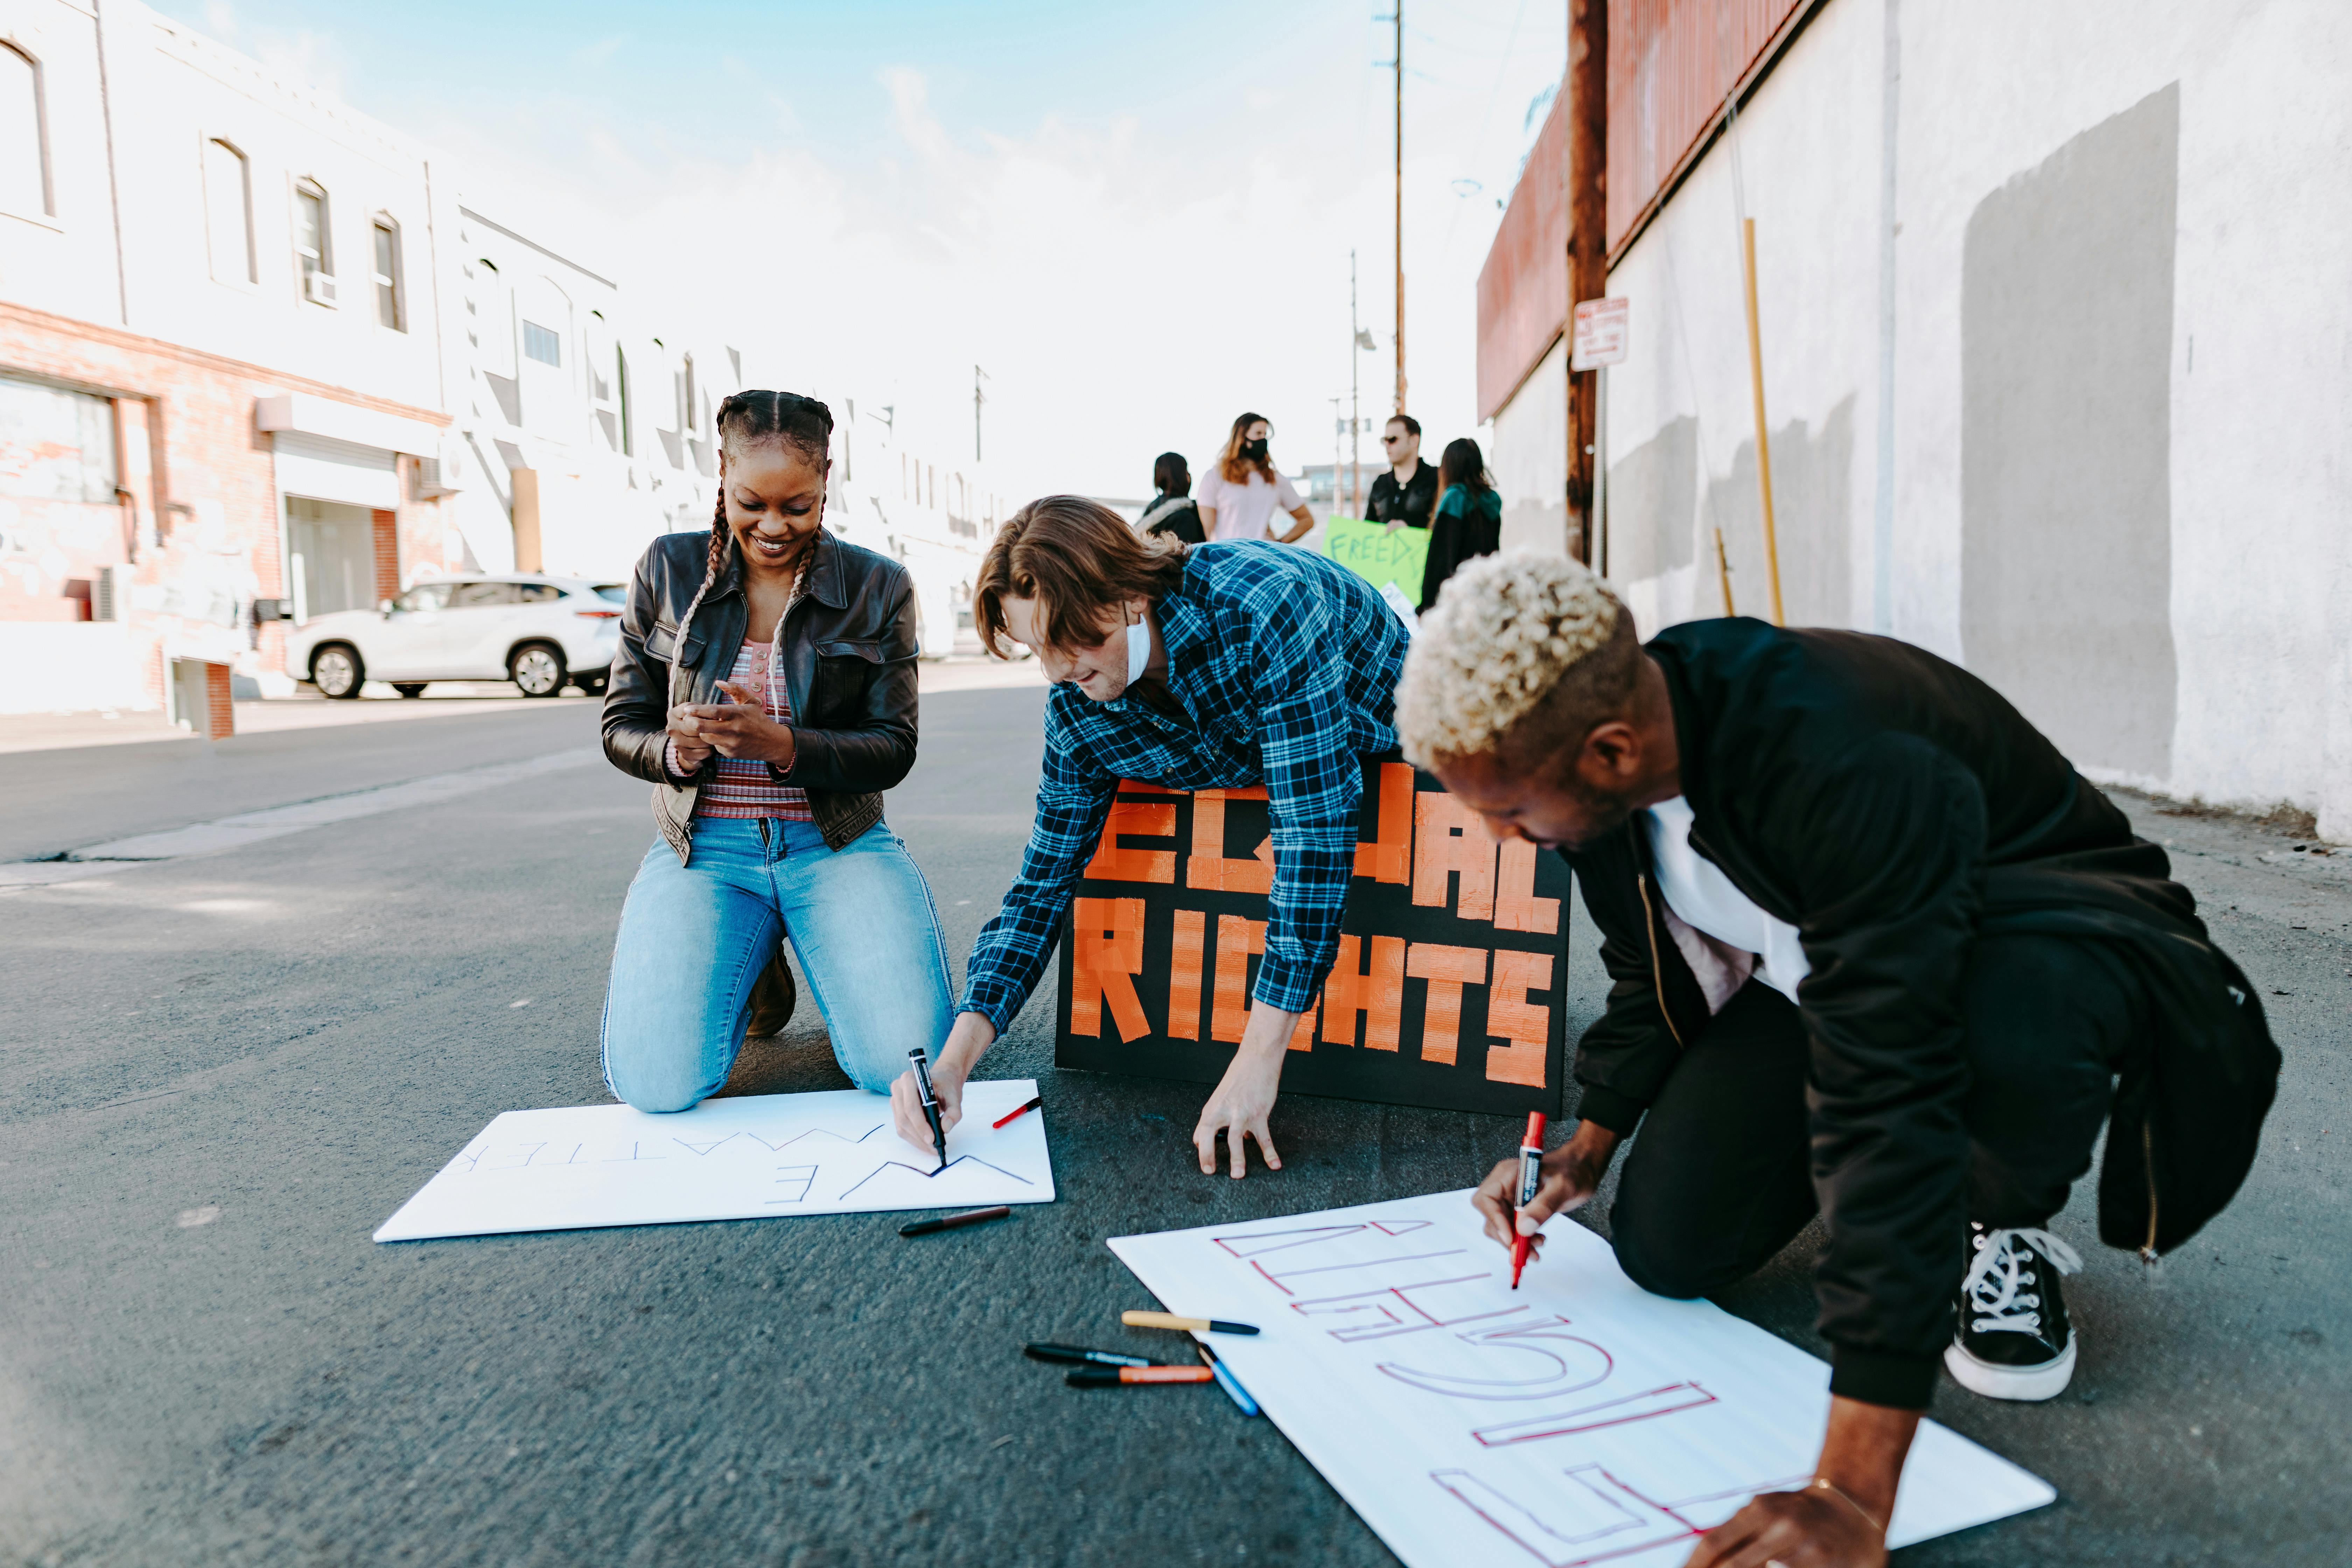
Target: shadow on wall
[(1653, 494), (1812, 522), (2065, 440)]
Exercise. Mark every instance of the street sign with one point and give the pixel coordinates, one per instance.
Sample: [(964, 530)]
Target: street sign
[(1599, 333)]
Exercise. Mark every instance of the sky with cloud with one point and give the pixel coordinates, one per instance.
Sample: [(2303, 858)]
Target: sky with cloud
[(1137, 219)]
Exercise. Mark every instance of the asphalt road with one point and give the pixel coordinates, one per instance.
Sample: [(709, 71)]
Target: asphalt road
[(217, 1076)]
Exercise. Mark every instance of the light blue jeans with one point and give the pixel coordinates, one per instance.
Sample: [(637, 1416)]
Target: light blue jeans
[(694, 938)]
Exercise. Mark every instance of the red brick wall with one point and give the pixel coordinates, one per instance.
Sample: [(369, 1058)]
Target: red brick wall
[(387, 553), (220, 713), (187, 445)]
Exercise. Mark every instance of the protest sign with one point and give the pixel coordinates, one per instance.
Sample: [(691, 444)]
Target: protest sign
[(1451, 981), (1376, 555)]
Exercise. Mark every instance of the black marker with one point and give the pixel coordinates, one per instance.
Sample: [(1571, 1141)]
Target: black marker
[(1082, 1357), (931, 1101), (955, 1221)]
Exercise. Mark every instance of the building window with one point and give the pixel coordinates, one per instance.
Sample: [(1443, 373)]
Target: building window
[(541, 343), (54, 444), (25, 173), (388, 301), (228, 212), (314, 242)]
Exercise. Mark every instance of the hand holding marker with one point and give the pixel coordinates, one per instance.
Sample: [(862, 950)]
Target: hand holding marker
[(1530, 1176), (922, 1066)]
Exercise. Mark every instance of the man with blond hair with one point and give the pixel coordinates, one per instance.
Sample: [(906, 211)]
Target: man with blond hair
[(1878, 952)]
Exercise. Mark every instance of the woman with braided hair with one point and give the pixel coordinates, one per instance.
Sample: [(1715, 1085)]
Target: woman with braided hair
[(765, 685)]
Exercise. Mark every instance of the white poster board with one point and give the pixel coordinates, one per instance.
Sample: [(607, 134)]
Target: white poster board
[(1576, 1420), (749, 1158)]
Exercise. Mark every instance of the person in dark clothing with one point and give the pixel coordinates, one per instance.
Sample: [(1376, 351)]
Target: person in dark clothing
[(1407, 493), (1173, 511), (1876, 950), (1469, 520)]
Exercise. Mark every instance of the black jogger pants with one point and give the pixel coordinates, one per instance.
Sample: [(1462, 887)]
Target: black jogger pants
[(1719, 1178)]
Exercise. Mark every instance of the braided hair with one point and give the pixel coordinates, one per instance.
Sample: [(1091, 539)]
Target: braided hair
[(748, 419)]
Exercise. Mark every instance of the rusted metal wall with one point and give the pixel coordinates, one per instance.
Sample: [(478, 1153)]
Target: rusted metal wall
[(1523, 288), (1670, 64)]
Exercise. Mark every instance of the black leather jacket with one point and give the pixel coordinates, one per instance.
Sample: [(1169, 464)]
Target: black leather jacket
[(1894, 807), (850, 645)]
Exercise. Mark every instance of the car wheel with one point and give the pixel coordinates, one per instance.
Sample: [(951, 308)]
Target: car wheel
[(336, 670), (537, 668), (409, 688)]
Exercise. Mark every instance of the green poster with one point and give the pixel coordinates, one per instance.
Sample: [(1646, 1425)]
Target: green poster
[(1373, 554)]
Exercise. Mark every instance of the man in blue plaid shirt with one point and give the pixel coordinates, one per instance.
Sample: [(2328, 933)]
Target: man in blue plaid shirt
[(1211, 667)]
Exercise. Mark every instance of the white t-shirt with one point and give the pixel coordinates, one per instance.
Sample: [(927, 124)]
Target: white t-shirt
[(1242, 510), (1699, 895)]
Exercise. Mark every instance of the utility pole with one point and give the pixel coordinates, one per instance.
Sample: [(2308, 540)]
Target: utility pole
[(1335, 454), (1398, 63), (1584, 133), (1356, 339), (978, 376)]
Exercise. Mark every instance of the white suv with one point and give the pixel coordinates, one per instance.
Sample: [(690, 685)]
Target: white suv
[(538, 631)]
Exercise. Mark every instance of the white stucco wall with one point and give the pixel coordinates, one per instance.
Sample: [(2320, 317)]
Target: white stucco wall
[(2025, 136)]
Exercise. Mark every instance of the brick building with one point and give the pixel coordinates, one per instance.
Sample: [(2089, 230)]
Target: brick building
[(258, 351)]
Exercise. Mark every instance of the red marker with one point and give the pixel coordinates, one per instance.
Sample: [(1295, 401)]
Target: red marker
[(1530, 1173), (1035, 1101)]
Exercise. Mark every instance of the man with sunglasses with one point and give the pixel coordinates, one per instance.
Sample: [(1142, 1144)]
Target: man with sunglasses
[(1406, 495)]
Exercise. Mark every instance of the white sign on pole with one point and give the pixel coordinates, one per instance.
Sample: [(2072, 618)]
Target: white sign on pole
[(1575, 1420), (1598, 337)]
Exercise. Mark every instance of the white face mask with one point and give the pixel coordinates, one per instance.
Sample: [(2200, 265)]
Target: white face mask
[(1139, 650)]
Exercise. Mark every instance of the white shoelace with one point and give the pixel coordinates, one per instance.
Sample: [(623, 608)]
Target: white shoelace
[(1992, 1280)]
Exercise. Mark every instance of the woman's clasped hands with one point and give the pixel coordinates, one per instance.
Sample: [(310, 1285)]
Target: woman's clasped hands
[(740, 729)]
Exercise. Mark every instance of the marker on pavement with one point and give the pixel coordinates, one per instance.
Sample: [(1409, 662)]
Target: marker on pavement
[(1190, 1325), (1080, 1357), (1112, 1376), (955, 1221), (1035, 1101), (1530, 1176), (1227, 1381)]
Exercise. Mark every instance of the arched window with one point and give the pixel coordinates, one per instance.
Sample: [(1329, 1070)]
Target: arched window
[(228, 212), (314, 241), (24, 137)]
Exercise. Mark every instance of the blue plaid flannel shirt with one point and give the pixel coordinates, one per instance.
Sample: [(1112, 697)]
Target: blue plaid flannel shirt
[(1286, 665)]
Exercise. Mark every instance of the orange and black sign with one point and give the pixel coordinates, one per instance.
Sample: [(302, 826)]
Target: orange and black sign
[(1448, 991)]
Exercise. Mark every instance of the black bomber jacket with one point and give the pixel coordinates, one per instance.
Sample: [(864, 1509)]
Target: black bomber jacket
[(850, 642), (1893, 808)]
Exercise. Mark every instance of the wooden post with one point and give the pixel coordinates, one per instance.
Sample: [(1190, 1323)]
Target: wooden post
[(1763, 447), (1586, 128), (1398, 8)]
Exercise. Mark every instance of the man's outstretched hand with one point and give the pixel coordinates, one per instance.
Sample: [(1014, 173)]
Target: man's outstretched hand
[(1243, 1098), (1571, 1174)]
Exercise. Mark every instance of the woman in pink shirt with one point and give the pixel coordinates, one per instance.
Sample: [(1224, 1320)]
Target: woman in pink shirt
[(1243, 487)]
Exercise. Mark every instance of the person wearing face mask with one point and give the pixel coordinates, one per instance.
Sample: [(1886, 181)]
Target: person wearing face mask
[(1213, 666), (765, 686), (1243, 487), (1406, 496)]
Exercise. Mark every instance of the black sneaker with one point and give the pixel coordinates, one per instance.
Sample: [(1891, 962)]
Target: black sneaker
[(2012, 1340)]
